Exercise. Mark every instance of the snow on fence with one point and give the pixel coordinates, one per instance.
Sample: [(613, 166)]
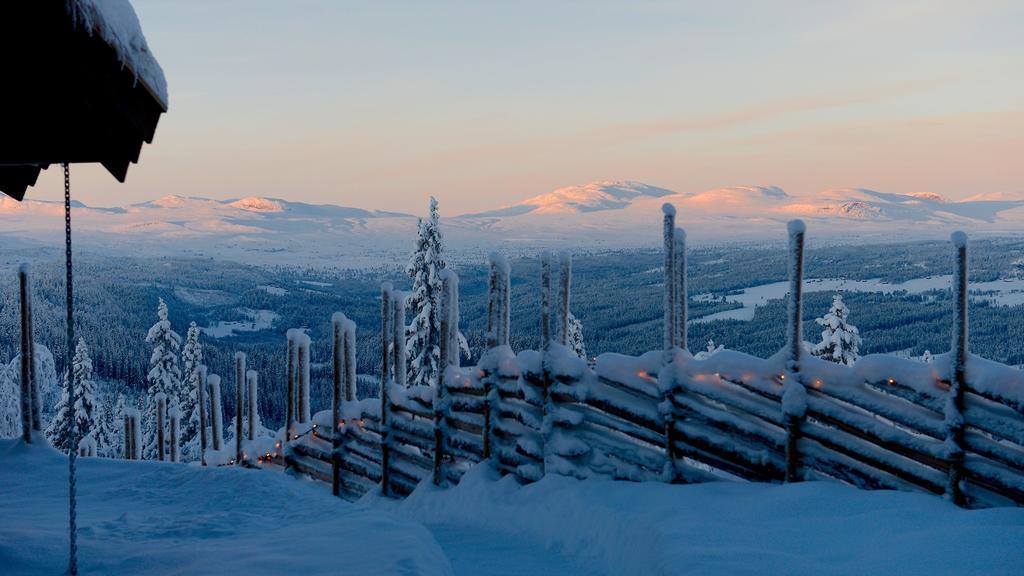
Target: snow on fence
[(953, 427)]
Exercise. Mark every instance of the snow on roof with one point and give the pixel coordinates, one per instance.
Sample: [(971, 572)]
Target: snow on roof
[(117, 24)]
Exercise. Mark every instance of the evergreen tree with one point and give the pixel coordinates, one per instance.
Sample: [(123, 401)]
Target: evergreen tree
[(192, 357), (84, 410), (164, 374), (840, 340), (10, 403), (425, 265), (107, 434), (710, 350), (575, 339), (117, 418)]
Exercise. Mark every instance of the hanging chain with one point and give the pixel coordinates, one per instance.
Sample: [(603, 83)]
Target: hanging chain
[(72, 426)]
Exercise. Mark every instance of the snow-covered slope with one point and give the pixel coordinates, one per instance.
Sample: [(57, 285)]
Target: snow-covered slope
[(728, 528), (599, 215), (592, 197), (159, 518)]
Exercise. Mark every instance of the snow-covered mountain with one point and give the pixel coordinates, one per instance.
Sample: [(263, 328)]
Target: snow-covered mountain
[(592, 197), (739, 213), (599, 215), (253, 229)]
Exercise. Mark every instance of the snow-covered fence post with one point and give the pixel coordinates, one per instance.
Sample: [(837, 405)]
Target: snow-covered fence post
[(668, 236), (252, 381), (338, 365), (349, 347), (958, 379), (161, 421), (174, 419), (505, 299), (385, 381), (449, 356), (398, 337), (201, 395), (492, 303), (136, 433), (216, 415), (303, 342), (493, 314), (239, 403), (545, 300), (27, 358), (289, 426), (564, 288), (794, 400), (127, 424), (680, 288), (498, 335)]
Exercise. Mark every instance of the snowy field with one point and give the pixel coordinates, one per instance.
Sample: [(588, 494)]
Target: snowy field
[(1006, 292), (259, 320), (153, 518)]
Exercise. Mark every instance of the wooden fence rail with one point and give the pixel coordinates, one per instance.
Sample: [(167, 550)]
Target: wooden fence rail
[(953, 427)]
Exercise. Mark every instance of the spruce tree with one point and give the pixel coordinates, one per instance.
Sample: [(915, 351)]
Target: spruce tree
[(117, 418), (575, 339), (425, 266), (840, 340), (84, 411), (192, 357), (10, 408), (106, 433), (164, 374)]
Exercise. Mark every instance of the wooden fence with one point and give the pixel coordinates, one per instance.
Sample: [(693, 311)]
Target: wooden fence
[(953, 427)]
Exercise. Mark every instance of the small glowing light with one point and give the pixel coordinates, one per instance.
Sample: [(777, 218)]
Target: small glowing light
[(782, 376), (891, 381)]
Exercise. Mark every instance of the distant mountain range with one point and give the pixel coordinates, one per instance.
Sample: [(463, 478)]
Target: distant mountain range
[(599, 215)]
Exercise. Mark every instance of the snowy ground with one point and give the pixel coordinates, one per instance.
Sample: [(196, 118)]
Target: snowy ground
[(155, 518), (1008, 292), (144, 517)]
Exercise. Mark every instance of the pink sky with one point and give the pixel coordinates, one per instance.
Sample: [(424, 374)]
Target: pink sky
[(379, 106)]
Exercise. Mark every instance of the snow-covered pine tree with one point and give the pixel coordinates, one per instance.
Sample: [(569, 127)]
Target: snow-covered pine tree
[(10, 409), (86, 413), (117, 439), (58, 432), (107, 433), (164, 374), (47, 384), (710, 350), (576, 343), (840, 340), (84, 410), (425, 265), (192, 358)]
